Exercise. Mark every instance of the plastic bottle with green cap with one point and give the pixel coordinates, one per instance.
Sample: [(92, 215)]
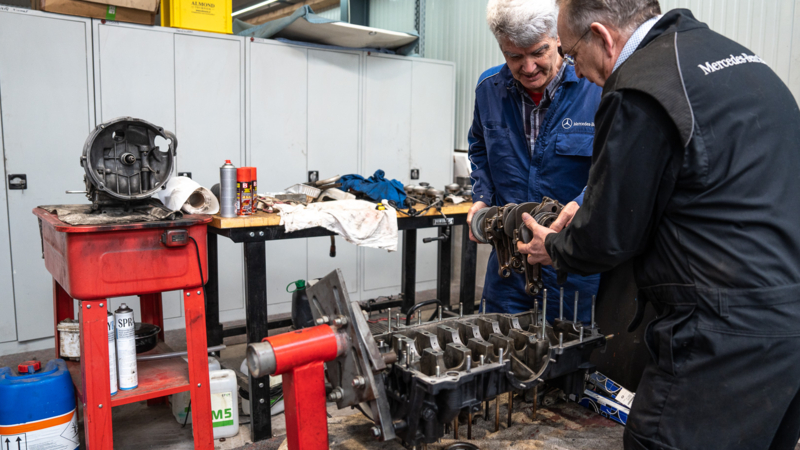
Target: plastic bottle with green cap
[(301, 310)]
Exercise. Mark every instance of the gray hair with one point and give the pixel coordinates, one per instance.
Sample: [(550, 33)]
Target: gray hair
[(523, 22), (624, 15)]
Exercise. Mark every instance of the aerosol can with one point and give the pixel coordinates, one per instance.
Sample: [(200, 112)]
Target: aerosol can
[(112, 353), (227, 190), (126, 348)]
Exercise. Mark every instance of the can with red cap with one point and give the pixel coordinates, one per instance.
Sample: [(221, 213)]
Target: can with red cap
[(244, 192)]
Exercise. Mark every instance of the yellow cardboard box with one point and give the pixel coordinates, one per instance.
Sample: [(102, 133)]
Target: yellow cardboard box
[(200, 15)]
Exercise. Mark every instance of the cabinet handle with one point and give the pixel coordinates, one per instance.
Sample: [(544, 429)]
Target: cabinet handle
[(17, 181)]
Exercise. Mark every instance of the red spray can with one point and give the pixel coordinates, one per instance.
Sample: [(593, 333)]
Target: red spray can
[(244, 192)]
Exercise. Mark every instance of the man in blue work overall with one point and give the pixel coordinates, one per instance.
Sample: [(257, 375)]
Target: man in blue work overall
[(531, 138)]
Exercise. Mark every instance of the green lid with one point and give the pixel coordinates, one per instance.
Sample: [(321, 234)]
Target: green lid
[(299, 285)]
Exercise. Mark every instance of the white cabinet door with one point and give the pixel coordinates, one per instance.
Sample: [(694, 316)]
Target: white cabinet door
[(387, 141), (387, 117), (277, 105), (277, 114), (334, 105), (209, 105), (47, 112), (135, 72), (432, 122)]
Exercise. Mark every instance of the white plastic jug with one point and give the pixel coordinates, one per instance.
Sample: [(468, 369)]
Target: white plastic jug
[(224, 404)]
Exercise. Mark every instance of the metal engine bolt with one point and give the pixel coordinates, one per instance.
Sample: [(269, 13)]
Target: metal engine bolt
[(560, 340), (500, 360), (359, 381), (482, 358), (544, 312), (340, 321), (581, 335), (419, 318), (438, 371), (469, 363), (376, 432), (389, 319), (440, 313), (483, 305), (335, 395), (561, 305), (575, 313), (397, 324), (460, 309), (594, 301)]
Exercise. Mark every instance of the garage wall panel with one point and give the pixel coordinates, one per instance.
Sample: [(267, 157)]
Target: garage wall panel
[(47, 112), (209, 102)]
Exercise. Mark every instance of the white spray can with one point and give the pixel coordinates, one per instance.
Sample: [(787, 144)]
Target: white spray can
[(126, 348), (112, 353)]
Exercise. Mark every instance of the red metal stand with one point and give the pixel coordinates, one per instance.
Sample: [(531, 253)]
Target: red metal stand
[(95, 263), (299, 356)]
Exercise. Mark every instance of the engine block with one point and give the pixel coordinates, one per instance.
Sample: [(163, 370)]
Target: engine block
[(413, 379)]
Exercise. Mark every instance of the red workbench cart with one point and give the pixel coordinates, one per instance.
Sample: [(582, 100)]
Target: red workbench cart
[(92, 263)]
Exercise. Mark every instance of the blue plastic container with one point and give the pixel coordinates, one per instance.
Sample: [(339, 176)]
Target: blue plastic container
[(38, 409)]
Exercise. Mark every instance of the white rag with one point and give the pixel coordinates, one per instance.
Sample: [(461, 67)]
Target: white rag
[(357, 221), (186, 194)]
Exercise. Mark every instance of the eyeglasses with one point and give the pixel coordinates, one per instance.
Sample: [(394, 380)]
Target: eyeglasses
[(568, 58)]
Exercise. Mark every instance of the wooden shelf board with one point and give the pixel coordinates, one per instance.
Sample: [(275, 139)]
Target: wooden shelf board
[(157, 378), (262, 219)]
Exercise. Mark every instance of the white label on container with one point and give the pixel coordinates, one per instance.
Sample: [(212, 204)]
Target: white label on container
[(112, 355), (221, 409), (61, 436), (126, 351), (625, 397)]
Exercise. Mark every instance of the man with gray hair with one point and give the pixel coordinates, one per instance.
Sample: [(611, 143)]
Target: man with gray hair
[(695, 186), (531, 138)]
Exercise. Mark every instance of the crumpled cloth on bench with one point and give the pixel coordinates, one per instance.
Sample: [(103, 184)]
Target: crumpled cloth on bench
[(357, 221)]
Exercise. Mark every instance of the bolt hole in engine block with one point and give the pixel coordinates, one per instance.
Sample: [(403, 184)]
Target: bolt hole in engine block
[(419, 377)]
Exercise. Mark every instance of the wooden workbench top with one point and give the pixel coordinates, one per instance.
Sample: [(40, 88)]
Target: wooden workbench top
[(262, 219)]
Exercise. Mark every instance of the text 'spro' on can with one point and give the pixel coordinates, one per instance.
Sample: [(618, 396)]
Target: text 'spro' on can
[(112, 353), (126, 348), (227, 190)]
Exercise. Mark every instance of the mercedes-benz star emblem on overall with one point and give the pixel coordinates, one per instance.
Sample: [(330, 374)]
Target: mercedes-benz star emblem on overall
[(567, 124)]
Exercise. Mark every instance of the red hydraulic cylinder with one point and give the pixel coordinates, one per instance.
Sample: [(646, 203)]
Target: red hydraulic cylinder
[(299, 357)]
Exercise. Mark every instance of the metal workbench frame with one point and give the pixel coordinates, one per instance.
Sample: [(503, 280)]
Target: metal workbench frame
[(257, 322)]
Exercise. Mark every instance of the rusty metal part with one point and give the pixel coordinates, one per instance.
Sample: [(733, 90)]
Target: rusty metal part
[(503, 228)]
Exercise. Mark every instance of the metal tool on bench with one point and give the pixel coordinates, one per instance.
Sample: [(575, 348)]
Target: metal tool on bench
[(502, 226), (123, 164), (412, 380)]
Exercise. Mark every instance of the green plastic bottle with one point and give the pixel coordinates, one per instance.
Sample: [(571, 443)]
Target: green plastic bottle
[(301, 310)]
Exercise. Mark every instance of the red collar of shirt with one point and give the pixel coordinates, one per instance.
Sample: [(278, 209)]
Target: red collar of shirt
[(536, 97)]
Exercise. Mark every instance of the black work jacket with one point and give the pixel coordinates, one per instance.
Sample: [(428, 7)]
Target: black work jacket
[(695, 178)]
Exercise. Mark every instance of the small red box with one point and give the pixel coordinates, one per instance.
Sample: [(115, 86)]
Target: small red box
[(100, 261)]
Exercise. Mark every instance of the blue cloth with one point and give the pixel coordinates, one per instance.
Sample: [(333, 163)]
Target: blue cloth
[(503, 171), (376, 187)]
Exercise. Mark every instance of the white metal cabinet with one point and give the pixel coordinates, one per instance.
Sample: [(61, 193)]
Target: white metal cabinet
[(47, 112), (277, 118), (387, 146), (209, 107), (432, 128), (190, 83), (334, 105)]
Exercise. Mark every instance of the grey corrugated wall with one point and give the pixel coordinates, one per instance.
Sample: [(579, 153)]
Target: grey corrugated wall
[(456, 30), (332, 13), (395, 15)]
